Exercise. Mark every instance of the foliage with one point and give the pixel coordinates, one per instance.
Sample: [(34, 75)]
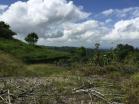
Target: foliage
[(123, 50), (81, 52), (32, 38), (132, 58), (5, 31)]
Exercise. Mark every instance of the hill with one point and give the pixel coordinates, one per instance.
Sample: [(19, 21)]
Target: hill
[(31, 53), (10, 66)]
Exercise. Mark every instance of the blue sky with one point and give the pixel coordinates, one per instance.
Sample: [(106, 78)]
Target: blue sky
[(101, 5), (59, 23), (96, 6)]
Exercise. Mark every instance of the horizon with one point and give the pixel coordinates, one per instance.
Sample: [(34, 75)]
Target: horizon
[(74, 23)]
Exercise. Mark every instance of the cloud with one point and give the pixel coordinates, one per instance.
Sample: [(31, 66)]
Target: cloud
[(3, 8), (108, 12), (62, 23), (125, 31), (45, 17), (123, 26), (79, 34), (57, 22), (131, 12), (111, 16)]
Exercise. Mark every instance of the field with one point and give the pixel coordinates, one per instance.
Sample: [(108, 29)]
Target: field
[(39, 80)]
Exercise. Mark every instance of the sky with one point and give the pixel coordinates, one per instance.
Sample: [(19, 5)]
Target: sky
[(95, 5), (74, 22)]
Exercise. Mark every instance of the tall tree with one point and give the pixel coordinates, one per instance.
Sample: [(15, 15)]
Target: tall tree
[(5, 31), (32, 38)]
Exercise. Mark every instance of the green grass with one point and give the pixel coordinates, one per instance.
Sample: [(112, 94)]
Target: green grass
[(30, 53), (43, 70), (11, 66)]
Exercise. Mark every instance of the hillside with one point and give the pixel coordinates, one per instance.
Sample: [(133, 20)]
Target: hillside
[(10, 66), (31, 53)]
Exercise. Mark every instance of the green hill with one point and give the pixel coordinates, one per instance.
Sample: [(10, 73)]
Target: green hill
[(31, 53)]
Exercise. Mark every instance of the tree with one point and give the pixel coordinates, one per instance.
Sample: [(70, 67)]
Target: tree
[(81, 51), (32, 38), (123, 50), (5, 31), (97, 45)]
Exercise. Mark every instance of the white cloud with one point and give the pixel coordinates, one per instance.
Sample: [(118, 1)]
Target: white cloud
[(45, 17), (79, 34), (125, 31), (2, 8), (62, 23), (108, 12), (57, 22), (131, 12)]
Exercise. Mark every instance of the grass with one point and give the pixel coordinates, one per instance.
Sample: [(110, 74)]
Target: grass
[(132, 90), (109, 82), (31, 53), (43, 70), (11, 66), (120, 79)]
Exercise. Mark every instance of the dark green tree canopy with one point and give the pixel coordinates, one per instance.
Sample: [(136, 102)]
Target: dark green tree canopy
[(32, 38), (81, 51), (5, 31), (123, 50)]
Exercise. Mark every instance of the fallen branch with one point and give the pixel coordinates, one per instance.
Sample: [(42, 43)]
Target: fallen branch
[(91, 92)]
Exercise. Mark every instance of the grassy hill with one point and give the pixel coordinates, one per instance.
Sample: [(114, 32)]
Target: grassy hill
[(30, 53), (10, 66)]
